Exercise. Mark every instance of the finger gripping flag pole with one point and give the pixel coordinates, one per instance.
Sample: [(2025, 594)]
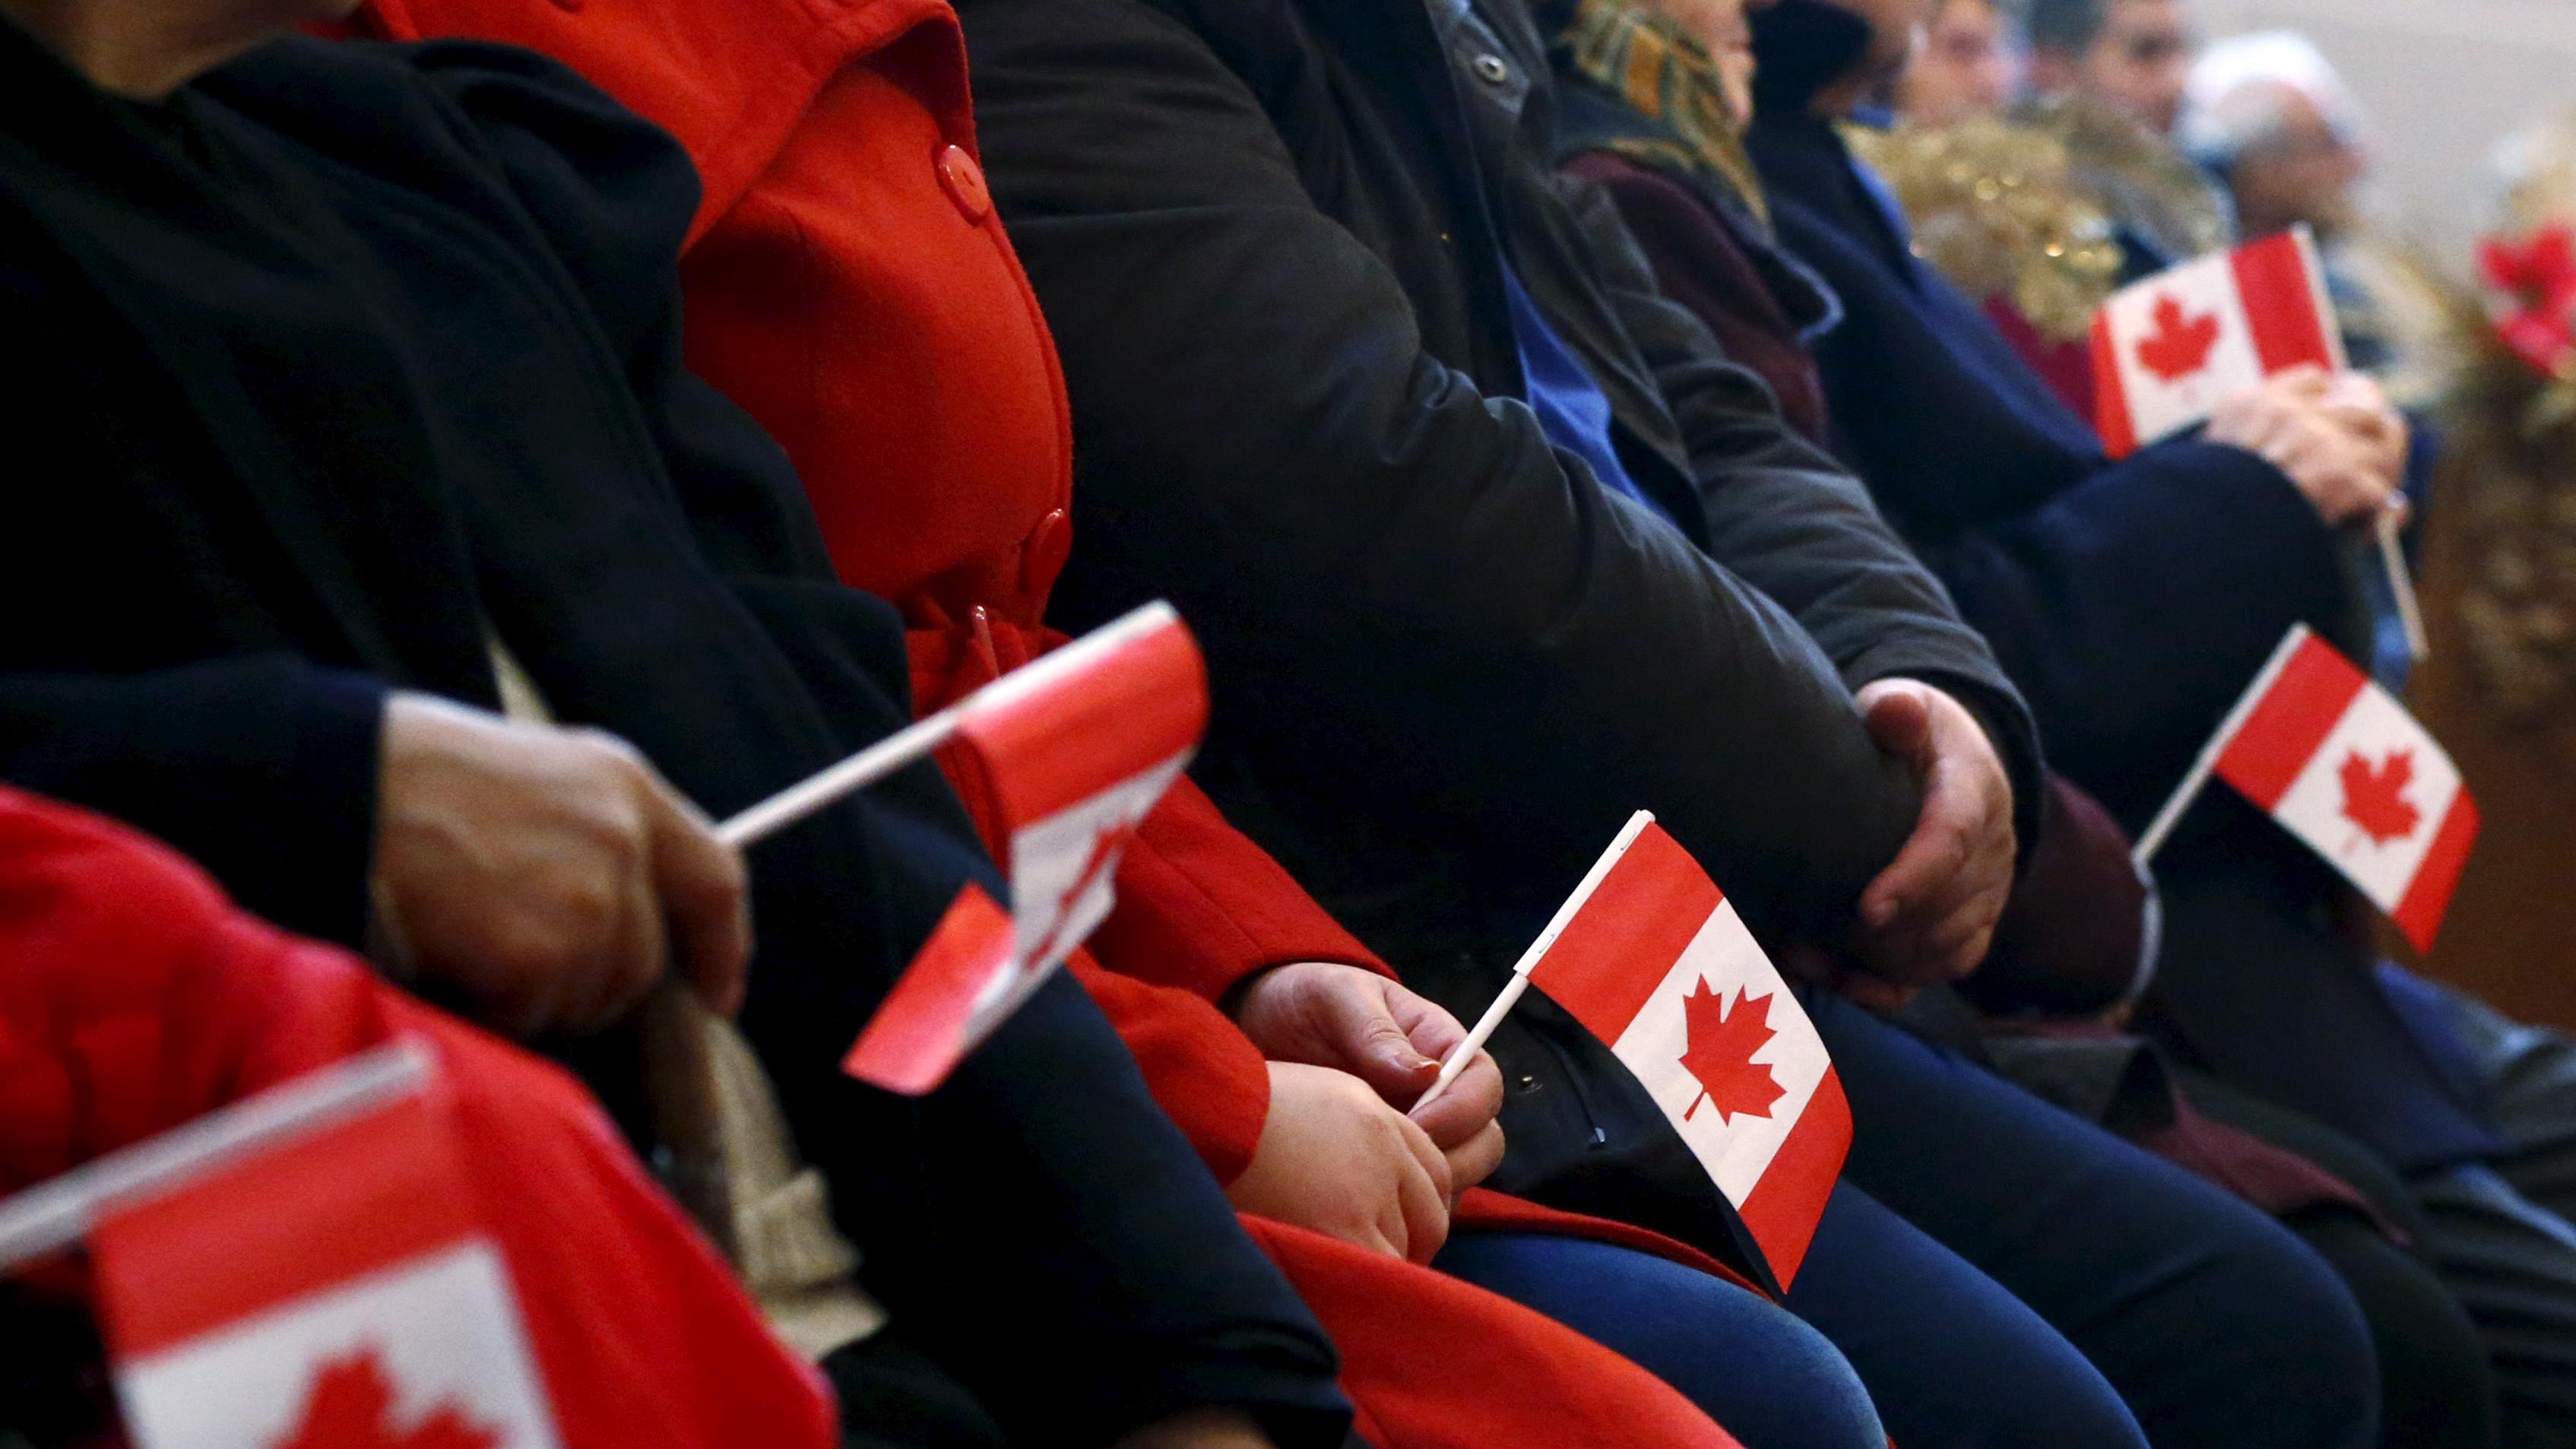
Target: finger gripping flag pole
[(1465, 1052)]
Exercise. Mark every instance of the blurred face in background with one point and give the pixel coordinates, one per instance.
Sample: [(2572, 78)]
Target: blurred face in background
[(1896, 33), (2303, 170), (1721, 26), (2140, 62), (1969, 65)]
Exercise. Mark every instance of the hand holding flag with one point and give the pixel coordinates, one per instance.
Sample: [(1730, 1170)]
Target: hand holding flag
[(2180, 348), (1651, 958), (2168, 349)]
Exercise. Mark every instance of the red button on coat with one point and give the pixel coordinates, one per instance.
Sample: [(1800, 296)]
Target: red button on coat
[(965, 183)]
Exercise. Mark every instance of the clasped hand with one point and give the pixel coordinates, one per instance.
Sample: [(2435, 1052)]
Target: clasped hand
[(1341, 1153), (2333, 435), (1930, 915)]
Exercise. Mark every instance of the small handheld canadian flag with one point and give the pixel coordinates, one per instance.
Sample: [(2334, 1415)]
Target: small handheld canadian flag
[(2166, 350), (1076, 748), (1650, 957), (303, 1269), (2338, 761)]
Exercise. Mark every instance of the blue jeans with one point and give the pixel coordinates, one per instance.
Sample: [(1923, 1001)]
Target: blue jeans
[(2220, 1329), (1952, 1361), (1771, 1380)]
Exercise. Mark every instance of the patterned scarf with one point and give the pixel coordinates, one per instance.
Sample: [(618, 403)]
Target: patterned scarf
[(1664, 74)]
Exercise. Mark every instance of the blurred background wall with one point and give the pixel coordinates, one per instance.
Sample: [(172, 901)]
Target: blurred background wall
[(2444, 80)]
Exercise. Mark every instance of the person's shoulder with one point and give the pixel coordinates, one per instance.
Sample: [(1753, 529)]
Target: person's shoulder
[(501, 131), (429, 88)]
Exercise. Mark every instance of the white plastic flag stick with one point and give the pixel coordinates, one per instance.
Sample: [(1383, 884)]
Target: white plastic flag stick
[(1465, 1051), (2171, 815), (2401, 583), (55, 1214), (917, 740), (814, 792)]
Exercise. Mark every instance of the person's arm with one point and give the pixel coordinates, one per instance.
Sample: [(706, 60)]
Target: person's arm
[(263, 767), (1786, 516), (1401, 589)]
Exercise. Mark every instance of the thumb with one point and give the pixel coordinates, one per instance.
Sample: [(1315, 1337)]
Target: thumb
[(1898, 714), (1380, 1051)]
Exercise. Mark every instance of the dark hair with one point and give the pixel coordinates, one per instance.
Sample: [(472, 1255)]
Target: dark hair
[(2067, 26)]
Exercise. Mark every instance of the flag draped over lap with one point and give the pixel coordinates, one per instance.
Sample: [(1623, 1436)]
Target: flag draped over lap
[(2166, 350), (2340, 764), (1657, 964), (1075, 748)]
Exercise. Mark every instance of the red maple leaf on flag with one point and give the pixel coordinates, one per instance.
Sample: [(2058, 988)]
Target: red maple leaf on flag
[(2180, 345), (1720, 1054), (351, 1407), (2374, 796)]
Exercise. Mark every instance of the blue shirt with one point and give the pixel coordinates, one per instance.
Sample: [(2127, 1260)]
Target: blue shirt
[(1571, 408)]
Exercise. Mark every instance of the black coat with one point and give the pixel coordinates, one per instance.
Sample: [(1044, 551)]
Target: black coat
[(349, 352), (1447, 662)]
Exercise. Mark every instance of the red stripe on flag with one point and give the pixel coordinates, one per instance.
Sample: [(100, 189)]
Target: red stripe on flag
[(919, 1033), (2289, 723), (354, 1199), (1623, 942), (2280, 298), (2428, 896), (2111, 396), (1785, 1203), (1121, 713)]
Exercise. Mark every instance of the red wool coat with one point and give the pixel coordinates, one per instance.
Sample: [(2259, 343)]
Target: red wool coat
[(849, 285)]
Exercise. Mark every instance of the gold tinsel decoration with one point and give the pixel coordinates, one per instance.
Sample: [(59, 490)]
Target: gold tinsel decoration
[(1993, 210), (2134, 176)]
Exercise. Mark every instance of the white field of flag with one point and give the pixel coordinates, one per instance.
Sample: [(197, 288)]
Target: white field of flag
[(2168, 349)]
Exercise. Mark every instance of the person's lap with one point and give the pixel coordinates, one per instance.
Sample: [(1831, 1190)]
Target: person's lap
[(1953, 1359), (1880, 1314), (2436, 1383), (1768, 1378), (2218, 1326)]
